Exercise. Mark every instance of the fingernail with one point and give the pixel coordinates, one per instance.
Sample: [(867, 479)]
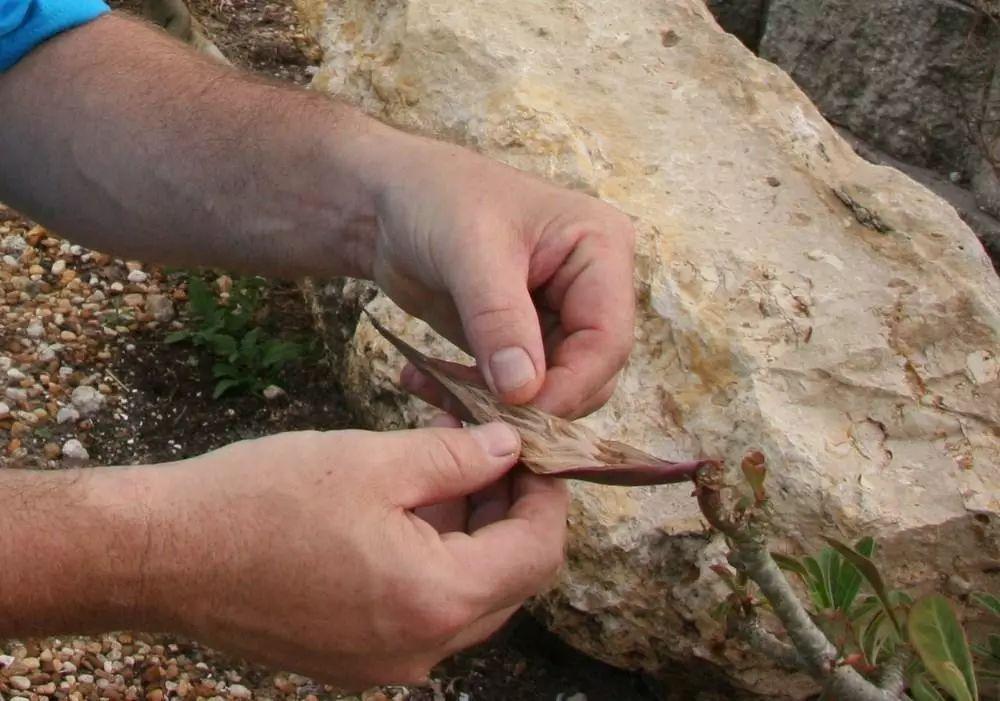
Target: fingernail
[(497, 439), (511, 368)]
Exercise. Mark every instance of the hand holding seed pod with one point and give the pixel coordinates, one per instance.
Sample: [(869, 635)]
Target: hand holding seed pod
[(549, 445)]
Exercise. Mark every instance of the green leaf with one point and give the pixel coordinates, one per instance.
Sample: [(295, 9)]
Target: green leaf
[(178, 336), (819, 590), (987, 602), (224, 370), (870, 572), (878, 637), (277, 353), (222, 344), (848, 582), (923, 690), (790, 564), (201, 302), (223, 386), (940, 642), (990, 652), (248, 345)]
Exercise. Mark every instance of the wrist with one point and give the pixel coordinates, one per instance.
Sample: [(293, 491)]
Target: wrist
[(379, 160), (80, 540)]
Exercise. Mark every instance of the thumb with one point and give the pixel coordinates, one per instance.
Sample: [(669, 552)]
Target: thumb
[(448, 463), (501, 325)]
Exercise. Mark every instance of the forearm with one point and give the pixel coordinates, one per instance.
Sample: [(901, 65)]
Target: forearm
[(122, 139), (76, 551)]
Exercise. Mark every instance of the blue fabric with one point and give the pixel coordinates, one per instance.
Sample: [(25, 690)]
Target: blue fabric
[(24, 24)]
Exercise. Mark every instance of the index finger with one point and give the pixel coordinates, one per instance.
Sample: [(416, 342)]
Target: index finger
[(593, 295), (520, 555)]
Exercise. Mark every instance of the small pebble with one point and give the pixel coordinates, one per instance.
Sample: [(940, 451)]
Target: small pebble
[(74, 449), (35, 329), (161, 307), (87, 400), (20, 683), (272, 392), (14, 244), (67, 414)]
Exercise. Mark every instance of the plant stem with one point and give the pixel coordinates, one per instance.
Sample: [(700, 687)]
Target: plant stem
[(759, 638), (816, 655)]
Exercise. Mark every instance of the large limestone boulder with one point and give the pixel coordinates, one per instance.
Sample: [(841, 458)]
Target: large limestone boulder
[(792, 298)]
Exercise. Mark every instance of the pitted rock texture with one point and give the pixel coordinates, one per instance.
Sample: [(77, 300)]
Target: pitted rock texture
[(792, 298)]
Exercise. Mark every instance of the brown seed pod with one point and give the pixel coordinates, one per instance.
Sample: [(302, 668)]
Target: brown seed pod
[(549, 445)]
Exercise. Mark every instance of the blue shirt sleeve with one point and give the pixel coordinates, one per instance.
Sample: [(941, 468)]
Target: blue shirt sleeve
[(24, 24)]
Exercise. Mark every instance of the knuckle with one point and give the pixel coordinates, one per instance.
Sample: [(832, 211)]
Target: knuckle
[(492, 319), (444, 458)]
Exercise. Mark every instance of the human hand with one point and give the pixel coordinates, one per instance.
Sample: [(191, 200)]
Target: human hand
[(306, 551), (534, 280)]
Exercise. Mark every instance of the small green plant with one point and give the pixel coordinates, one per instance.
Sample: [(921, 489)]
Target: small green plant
[(856, 636), (247, 358)]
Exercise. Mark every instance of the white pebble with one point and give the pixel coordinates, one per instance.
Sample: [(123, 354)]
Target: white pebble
[(20, 683), (238, 691), (13, 243), (16, 394), (273, 392), (10, 261), (15, 375), (117, 287), (137, 276), (74, 449), (67, 414), (4, 413), (35, 329), (87, 400), (58, 267)]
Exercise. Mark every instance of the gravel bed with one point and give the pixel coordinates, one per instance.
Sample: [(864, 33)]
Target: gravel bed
[(66, 312)]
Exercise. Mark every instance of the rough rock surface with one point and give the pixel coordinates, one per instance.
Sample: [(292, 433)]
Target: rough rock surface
[(912, 77), (792, 298)]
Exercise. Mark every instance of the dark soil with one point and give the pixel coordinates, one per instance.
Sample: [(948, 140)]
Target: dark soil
[(166, 410)]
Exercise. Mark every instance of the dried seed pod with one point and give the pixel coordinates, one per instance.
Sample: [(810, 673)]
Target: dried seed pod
[(549, 445)]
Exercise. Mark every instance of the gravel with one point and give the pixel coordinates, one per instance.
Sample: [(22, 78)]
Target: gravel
[(66, 312), (137, 666)]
